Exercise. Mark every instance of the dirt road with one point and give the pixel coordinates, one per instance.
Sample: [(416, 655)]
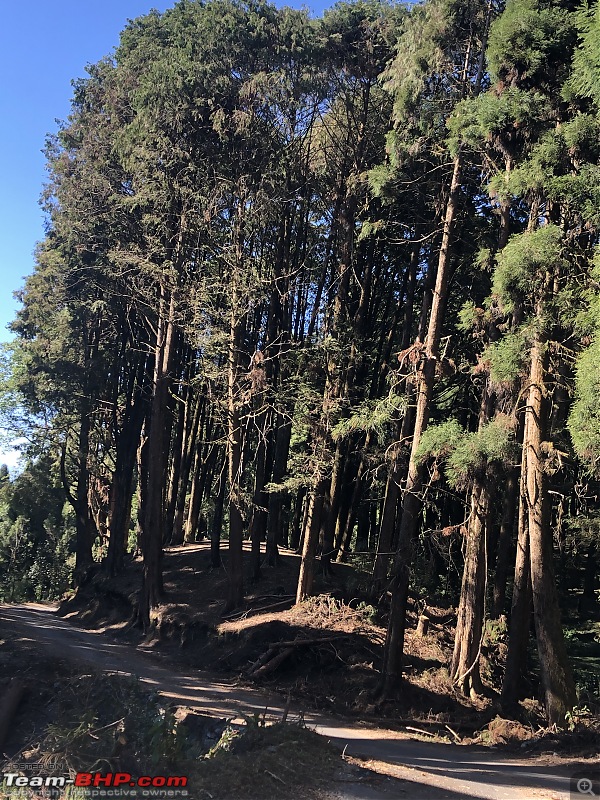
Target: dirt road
[(422, 769)]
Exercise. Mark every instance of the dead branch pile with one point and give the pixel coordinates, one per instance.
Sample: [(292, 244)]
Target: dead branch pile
[(279, 652)]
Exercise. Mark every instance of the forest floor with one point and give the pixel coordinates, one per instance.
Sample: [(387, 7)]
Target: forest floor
[(316, 663), (56, 658), (323, 655)]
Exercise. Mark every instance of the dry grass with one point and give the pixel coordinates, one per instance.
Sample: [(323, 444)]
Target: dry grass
[(322, 612), (268, 763), (94, 721)]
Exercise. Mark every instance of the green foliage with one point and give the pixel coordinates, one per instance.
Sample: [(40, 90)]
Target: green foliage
[(371, 415), (226, 743), (507, 358), (585, 77), (468, 316), (166, 740), (529, 45), (36, 537), (584, 419), (496, 632), (474, 453), (562, 165), (469, 455), (438, 441), (368, 611), (99, 716), (524, 264), (494, 120)]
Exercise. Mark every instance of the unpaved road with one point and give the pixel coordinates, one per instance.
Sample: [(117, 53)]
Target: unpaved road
[(422, 769)]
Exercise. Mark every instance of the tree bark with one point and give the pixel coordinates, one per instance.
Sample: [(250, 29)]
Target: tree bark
[(311, 539), (557, 677), (275, 522), (189, 451), (235, 449), (394, 643), (153, 482), (121, 490), (504, 545), (464, 668), (520, 615), (217, 521)]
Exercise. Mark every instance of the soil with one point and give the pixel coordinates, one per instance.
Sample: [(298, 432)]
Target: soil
[(397, 766), (73, 719), (315, 662), (336, 640), (337, 675)]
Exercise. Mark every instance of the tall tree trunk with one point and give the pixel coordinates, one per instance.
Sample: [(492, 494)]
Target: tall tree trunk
[(275, 522), (258, 522), (398, 467), (235, 447), (464, 668), (333, 507), (557, 677), (299, 508), (311, 538), (153, 482), (182, 411), (387, 525), (520, 615), (204, 459), (190, 452), (121, 490), (504, 545), (217, 520), (322, 482), (84, 524), (394, 643)]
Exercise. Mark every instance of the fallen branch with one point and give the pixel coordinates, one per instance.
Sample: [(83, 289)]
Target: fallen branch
[(270, 660), (272, 665), (250, 612), (419, 730), (432, 723), (276, 777), (454, 733)]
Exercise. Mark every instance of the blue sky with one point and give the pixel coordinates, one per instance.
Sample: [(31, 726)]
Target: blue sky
[(43, 46)]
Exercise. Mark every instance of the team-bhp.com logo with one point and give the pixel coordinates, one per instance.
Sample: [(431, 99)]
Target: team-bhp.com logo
[(96, 783)]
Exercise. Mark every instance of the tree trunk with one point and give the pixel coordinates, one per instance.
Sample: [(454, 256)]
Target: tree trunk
[(333, 508), (394, 644), (297, 519), (386, 530), (121, 490), (557, 678), (153, 483), (84, 524), (311, 539), (235, 446), (190, 452), (217, 521), (258, 522), (274, 522), (464, 668), (520, 615), (504, 545), (182, 409)]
